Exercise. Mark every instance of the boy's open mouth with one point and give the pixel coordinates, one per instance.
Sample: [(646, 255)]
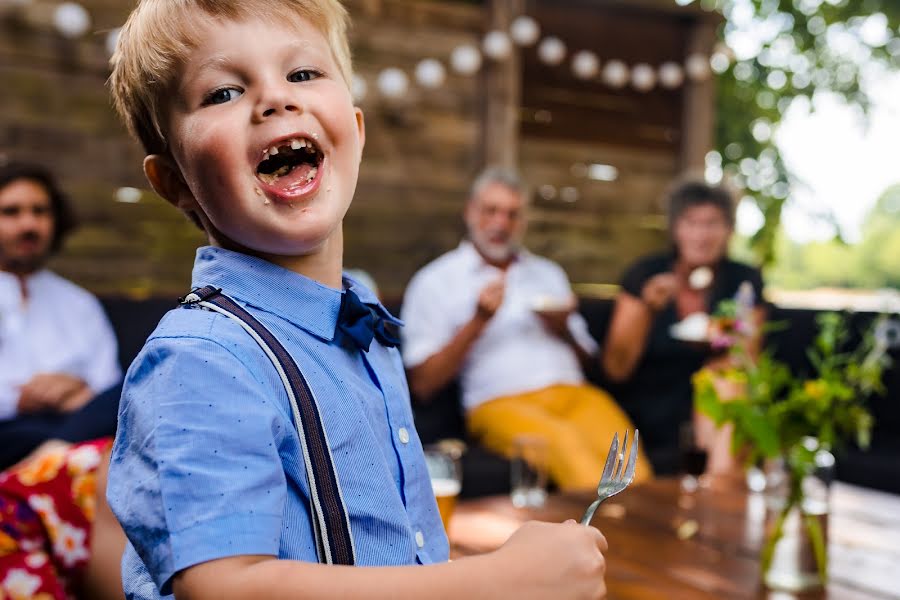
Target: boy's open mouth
[(294, 161)]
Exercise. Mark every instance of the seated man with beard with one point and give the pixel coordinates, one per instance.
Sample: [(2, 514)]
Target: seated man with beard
[(503, 321), (57, 348)]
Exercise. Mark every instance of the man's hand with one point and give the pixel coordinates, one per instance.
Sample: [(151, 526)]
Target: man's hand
[(57, 392), (491, 297), (659, 291)]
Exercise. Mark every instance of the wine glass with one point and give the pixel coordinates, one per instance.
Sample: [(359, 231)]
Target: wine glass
[(693, 457)]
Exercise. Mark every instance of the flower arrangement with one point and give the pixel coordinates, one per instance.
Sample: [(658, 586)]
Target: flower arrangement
[(779, 414)]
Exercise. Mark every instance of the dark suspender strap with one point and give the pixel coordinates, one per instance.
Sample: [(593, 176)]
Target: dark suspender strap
[(329, 513)]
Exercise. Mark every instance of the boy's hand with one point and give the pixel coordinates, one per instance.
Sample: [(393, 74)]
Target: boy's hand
[(546, 560)]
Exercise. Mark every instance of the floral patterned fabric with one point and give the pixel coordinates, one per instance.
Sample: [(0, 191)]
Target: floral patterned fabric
[(47, 506)]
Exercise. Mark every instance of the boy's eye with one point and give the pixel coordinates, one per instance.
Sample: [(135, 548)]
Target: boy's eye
[(221, 96), (302, 75)]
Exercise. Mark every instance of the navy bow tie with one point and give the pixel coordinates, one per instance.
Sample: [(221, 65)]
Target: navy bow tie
[(360, 323)]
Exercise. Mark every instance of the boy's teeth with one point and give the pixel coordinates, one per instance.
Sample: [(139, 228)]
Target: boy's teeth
[(295, 144)]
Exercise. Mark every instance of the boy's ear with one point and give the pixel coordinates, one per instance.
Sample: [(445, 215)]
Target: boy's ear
[(166, 180), (361, 128)]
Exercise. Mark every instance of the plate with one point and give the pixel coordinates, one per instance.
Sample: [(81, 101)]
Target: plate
[(551, 304), (693, 328)]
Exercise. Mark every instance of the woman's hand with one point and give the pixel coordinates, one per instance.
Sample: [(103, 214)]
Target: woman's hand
[(659, 291)]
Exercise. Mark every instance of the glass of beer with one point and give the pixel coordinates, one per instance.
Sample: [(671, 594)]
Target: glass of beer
[(445, 471)]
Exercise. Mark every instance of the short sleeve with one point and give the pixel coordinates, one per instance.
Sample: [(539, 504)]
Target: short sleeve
[(195, 472), (427, 327)]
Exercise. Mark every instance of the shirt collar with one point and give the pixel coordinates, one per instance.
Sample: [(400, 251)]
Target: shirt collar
[(11, 290), (256, 282)]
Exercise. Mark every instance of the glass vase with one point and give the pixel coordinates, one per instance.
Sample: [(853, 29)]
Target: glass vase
[(795, 554)]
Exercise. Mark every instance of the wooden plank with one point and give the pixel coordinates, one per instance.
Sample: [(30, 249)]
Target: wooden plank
[(648, 559), (502, 93), (699, 105)]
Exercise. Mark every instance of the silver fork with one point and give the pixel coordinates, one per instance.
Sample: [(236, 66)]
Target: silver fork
[(617, 473)]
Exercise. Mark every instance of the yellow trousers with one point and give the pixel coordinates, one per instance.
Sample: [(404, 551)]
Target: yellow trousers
[(576, 421)]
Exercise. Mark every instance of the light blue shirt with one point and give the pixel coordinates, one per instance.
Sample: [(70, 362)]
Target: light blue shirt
[(207, 462)]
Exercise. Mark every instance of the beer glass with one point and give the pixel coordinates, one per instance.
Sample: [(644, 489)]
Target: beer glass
[(445, 472)]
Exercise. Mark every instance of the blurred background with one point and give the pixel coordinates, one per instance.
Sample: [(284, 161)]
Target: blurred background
[(599, 103)]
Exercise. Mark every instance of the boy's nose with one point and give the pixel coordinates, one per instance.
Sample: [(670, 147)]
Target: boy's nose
[(286, 108), (275, 102)]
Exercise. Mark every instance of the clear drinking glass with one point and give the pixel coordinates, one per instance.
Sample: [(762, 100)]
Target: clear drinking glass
[(529, 471)]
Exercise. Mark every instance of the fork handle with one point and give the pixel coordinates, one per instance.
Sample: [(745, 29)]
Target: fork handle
[(589, 513)]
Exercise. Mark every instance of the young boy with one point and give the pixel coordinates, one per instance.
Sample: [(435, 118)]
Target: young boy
[(244, 109)]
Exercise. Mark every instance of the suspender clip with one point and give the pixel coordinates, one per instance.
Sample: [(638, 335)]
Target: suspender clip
[(200, 295)]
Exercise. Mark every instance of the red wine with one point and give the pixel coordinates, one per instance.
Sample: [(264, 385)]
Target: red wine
[(693, 461)]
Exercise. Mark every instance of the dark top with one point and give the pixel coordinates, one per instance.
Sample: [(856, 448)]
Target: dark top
[(658, 396)]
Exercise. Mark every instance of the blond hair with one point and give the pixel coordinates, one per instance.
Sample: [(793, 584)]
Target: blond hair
[(157, 38)]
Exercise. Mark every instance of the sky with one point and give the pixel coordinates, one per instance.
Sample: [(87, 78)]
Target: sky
[(843, 162)]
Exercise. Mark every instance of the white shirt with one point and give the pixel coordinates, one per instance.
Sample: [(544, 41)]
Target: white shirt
[(515, 352), (61, 328)]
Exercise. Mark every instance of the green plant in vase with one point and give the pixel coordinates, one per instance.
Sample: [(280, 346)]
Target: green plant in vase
[(797, 418)]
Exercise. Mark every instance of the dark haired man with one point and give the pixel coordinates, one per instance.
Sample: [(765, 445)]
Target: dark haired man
[(57, 348)]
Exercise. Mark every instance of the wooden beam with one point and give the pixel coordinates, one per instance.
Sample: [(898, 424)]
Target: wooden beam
[(502, 93), (698, 119)]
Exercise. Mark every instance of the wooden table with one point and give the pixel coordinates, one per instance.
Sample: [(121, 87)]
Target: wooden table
[(665, 544)]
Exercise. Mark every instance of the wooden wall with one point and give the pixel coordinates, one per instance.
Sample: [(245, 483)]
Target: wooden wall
[(421, 154)]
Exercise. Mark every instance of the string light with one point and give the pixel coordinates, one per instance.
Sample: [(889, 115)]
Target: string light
[(643, 77), (671, 75), (552, 50), (525, 31), (465, 59), (585, 64), (358, 88), (496, 45), (71, 19), (430, 73), (393, 82), (615, 74), (697, 67)]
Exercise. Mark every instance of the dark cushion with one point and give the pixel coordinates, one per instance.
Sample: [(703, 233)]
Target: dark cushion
[(487, 473)]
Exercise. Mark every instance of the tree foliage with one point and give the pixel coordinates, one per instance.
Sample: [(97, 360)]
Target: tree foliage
[(785, 50), (872, 263)]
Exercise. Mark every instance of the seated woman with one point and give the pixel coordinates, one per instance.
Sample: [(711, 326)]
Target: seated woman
[(58, 538), (659, 291)]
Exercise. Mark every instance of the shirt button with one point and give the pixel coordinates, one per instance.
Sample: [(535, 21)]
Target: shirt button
[(403, 434), (420, 539)]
